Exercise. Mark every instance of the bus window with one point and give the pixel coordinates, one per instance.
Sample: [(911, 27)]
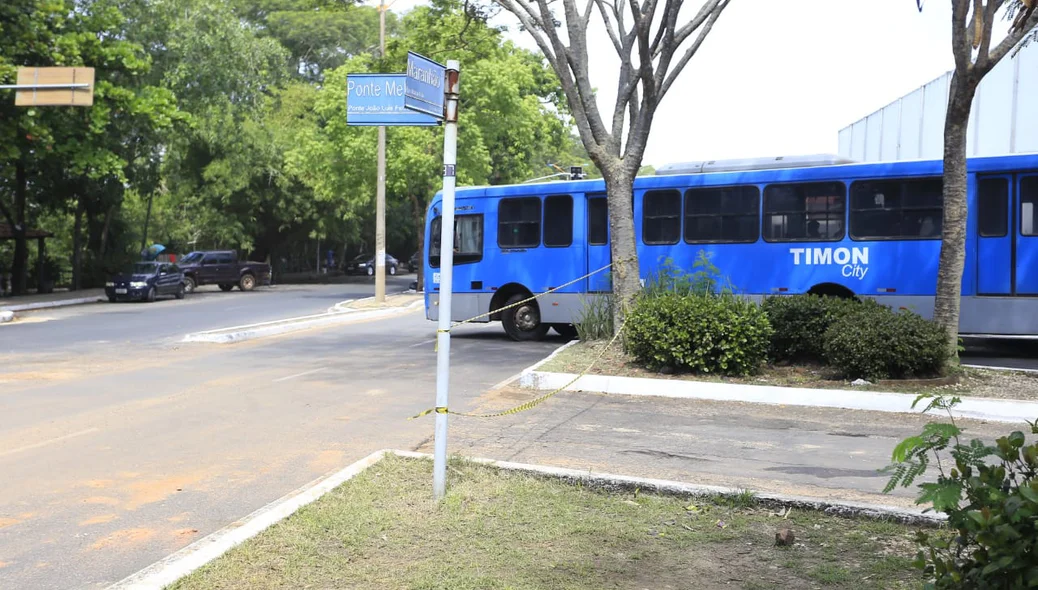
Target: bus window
[(558, 221), (661, 217), (597, 222), (804, 212), (897, 209), (519, 223), (993, 207), (729, 214), (468, 240), (1029, 206)]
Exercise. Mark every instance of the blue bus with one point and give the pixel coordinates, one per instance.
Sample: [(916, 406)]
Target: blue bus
[(808, 224)]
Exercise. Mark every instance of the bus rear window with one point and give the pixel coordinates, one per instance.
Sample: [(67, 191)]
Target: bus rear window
[(808, 212), (468, 239), (993, 207), (558, 221), (728, 214), (661, 217), (597, 221), (897, 209), (519, 223)]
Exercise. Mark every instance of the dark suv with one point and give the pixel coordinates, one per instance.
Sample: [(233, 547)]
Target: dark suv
[(224, 269), (144, 281)]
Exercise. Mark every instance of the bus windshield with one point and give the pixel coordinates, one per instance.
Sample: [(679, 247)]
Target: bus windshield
[(468, 239)]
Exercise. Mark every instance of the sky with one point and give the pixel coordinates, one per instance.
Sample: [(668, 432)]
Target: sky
[(779, 77)]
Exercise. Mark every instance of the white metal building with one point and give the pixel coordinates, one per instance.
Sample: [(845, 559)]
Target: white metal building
[(1003, 120)]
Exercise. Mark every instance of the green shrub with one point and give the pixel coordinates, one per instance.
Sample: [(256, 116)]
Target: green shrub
[(872, 341), (700, 333), (799, 322), (990, 495), (705, 279), (595, 320)]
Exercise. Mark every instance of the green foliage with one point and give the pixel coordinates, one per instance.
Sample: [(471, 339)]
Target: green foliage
[(706, 279), (872, 341), (990, 496), (595, 320), (722, 334), (799, 322), (692, 322)]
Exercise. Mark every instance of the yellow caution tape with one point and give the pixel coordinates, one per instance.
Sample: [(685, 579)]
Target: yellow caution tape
[(532, 403), (436, 345)]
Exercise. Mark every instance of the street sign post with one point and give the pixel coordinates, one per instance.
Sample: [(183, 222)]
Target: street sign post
[(429, 87), (378, 99), (425, 79), (53, 87)]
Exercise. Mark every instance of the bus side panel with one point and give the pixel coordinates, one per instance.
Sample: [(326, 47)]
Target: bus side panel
[(537, 269)]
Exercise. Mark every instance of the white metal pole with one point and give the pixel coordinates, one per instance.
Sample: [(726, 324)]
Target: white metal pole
[(380, 191), (443, 336)]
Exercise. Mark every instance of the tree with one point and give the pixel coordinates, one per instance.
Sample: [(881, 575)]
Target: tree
[(973, 22), (653, 48), (78, 158)]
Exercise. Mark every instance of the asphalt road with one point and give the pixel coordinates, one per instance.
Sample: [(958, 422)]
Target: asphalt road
[(143, 324), (119, 444), (110, 463)]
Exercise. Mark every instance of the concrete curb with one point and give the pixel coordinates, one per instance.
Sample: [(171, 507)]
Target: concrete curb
[(344, 306), (612, 482), (995, 410), (53, 304), (6, 316), (211, 547), (264, 329)]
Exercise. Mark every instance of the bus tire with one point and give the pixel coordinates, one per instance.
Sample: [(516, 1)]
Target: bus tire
[(523, 323), (567, 331)]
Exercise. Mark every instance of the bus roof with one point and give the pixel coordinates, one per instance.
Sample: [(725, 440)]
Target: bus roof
[(731, 172)]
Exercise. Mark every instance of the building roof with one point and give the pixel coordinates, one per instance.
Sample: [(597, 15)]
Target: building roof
[(7, 232)]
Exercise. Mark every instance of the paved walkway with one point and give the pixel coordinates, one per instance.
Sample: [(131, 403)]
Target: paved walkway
[(56, 299), (818, 452)]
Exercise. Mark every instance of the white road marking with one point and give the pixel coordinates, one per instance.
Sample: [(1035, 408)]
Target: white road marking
[(423, 343), (303, 374), (48, 442)]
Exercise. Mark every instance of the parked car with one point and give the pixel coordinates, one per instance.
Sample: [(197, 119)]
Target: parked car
[(365, 265), (412, 264), (224, 269), (145, 281)]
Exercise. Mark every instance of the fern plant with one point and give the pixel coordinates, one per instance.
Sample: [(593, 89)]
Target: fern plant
[(988, 492)]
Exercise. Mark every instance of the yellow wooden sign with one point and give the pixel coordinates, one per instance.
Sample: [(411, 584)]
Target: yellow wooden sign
[(55, 87)]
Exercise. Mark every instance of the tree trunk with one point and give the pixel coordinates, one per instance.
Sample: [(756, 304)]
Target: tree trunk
[(104, 232), (625, 272), (20, 268), (419, 225), (953, 235), (77, 245)]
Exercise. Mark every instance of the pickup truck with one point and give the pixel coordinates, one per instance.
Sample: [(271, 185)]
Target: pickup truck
[(222, 268)]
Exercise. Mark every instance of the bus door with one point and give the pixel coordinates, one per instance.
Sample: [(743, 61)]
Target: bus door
[(1007, 234), (1025, 271), (994, 238), (598, 244)]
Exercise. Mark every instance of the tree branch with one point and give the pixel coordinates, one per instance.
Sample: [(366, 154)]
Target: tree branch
[(961, 47), (676, 71), (1012, 40), (704, 13), (613, 35)]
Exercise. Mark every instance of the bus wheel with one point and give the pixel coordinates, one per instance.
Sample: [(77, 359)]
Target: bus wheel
[(523, 322), (567, 331)]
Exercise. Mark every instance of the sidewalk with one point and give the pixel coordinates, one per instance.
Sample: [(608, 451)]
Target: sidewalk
[(56, 299), (825, 453)]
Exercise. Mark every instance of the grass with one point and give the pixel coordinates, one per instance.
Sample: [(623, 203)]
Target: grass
[(499, 529), (970, 381)]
